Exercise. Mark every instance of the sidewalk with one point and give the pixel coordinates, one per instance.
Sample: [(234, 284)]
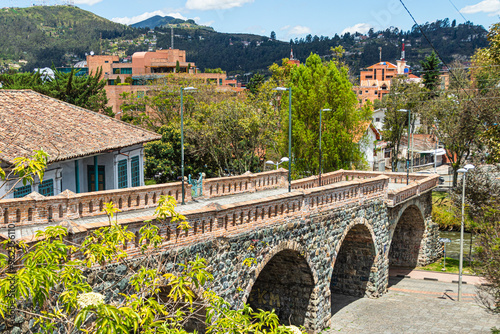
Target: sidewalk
[(435, 276)]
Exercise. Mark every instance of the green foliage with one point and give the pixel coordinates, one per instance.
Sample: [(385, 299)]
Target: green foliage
[(255, 83), (430, 68), (163, 156), (24, 170), (214, 70), (52, 279), (317, 86), (402, 96), (83, 91), (45, 35)]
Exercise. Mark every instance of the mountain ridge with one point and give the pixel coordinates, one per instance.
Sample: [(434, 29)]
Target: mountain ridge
[(40, 36)]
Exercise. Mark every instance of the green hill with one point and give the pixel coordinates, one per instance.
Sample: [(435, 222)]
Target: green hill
[(62, 35), (42, 35), (153, 22)]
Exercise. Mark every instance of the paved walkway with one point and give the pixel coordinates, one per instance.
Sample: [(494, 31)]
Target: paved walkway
[(413, 306), (435, 276)]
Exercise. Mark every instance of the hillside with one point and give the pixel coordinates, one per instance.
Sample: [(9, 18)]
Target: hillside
[(155, 21), (42, 35)]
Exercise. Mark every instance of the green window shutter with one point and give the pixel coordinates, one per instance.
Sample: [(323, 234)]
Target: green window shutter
[(122, 174), (135, 172)]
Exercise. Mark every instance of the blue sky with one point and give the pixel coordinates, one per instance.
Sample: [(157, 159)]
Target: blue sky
[(295, 18)]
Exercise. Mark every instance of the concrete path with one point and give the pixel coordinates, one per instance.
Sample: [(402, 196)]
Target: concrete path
[(413, 306), (435, 276)]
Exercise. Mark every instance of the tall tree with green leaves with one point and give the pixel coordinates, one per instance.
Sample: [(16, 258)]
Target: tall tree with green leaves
[(430, 68), (83, 91), (320, 85), (403, 98)]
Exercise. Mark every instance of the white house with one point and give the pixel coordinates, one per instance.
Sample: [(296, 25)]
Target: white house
[(367, 138), (87, 150)]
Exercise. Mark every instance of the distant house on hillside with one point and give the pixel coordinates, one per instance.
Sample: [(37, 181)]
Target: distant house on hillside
[(87, 150)]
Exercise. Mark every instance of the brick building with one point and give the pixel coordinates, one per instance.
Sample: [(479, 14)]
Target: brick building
[(87, 150), (143, 68), (375, 80)]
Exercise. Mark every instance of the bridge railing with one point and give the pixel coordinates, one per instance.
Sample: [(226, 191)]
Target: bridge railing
[(38, 209), (397, 196), (215, 221), (247, 182)]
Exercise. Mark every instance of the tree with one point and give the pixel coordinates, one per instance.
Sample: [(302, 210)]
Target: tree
[(255, 83), (317, 86), (162, 157), (404, 95), (482, 195), (118, 80), (24, 171), (273, 35), (234, 134), (83, 91), (177, 67), (430, 67), (55, 285), (485, 75), (455, 119)]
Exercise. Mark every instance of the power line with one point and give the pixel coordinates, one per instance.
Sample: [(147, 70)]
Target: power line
[(458, 10), (437, 53)]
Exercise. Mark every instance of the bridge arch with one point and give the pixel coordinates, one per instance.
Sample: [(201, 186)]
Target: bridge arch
[(284, 281), (355, 261), (407, 236)]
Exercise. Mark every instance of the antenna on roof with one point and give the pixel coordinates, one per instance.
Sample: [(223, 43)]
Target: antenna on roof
[(380, 53), (291, 54)]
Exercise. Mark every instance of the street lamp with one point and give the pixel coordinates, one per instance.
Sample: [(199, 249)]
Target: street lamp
[(270, 162), (460, 264), (320, 153), (182, 138), (281, 89), (408, 150)]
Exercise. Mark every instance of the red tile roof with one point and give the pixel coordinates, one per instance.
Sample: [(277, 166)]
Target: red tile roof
[(31, 121)]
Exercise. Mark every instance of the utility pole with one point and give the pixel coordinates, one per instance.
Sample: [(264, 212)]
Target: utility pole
[(172, 38)]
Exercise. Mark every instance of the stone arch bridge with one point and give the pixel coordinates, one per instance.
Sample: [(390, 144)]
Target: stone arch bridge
[(309, 244)]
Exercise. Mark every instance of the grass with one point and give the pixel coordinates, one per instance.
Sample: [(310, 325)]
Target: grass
[(445, 214), (451, 266), (149, 182)]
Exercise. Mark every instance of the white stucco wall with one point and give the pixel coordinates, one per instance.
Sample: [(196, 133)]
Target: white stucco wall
[(64, 176)]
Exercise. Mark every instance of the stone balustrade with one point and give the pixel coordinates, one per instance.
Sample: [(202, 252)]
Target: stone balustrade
[(214, 221), (38, 209), (394, 197)]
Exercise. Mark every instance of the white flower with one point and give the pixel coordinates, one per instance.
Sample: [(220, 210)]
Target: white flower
[(294, 329), (90, 299)]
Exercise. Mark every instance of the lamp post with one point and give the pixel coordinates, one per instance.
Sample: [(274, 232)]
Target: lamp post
[(182, 138), (408, 150), (270, 162), (320, 153), (281, 89), (461, 260)]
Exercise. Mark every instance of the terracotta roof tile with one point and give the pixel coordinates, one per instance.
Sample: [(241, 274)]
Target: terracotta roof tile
[(31, 121)]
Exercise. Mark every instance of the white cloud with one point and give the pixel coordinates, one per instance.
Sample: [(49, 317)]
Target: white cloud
[(215, 4), (360, 27), (298, 30), (485, 6), (87, 2), (144, 16), (285, 28)]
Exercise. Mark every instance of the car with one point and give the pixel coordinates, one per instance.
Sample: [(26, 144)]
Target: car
[(441, 179)]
